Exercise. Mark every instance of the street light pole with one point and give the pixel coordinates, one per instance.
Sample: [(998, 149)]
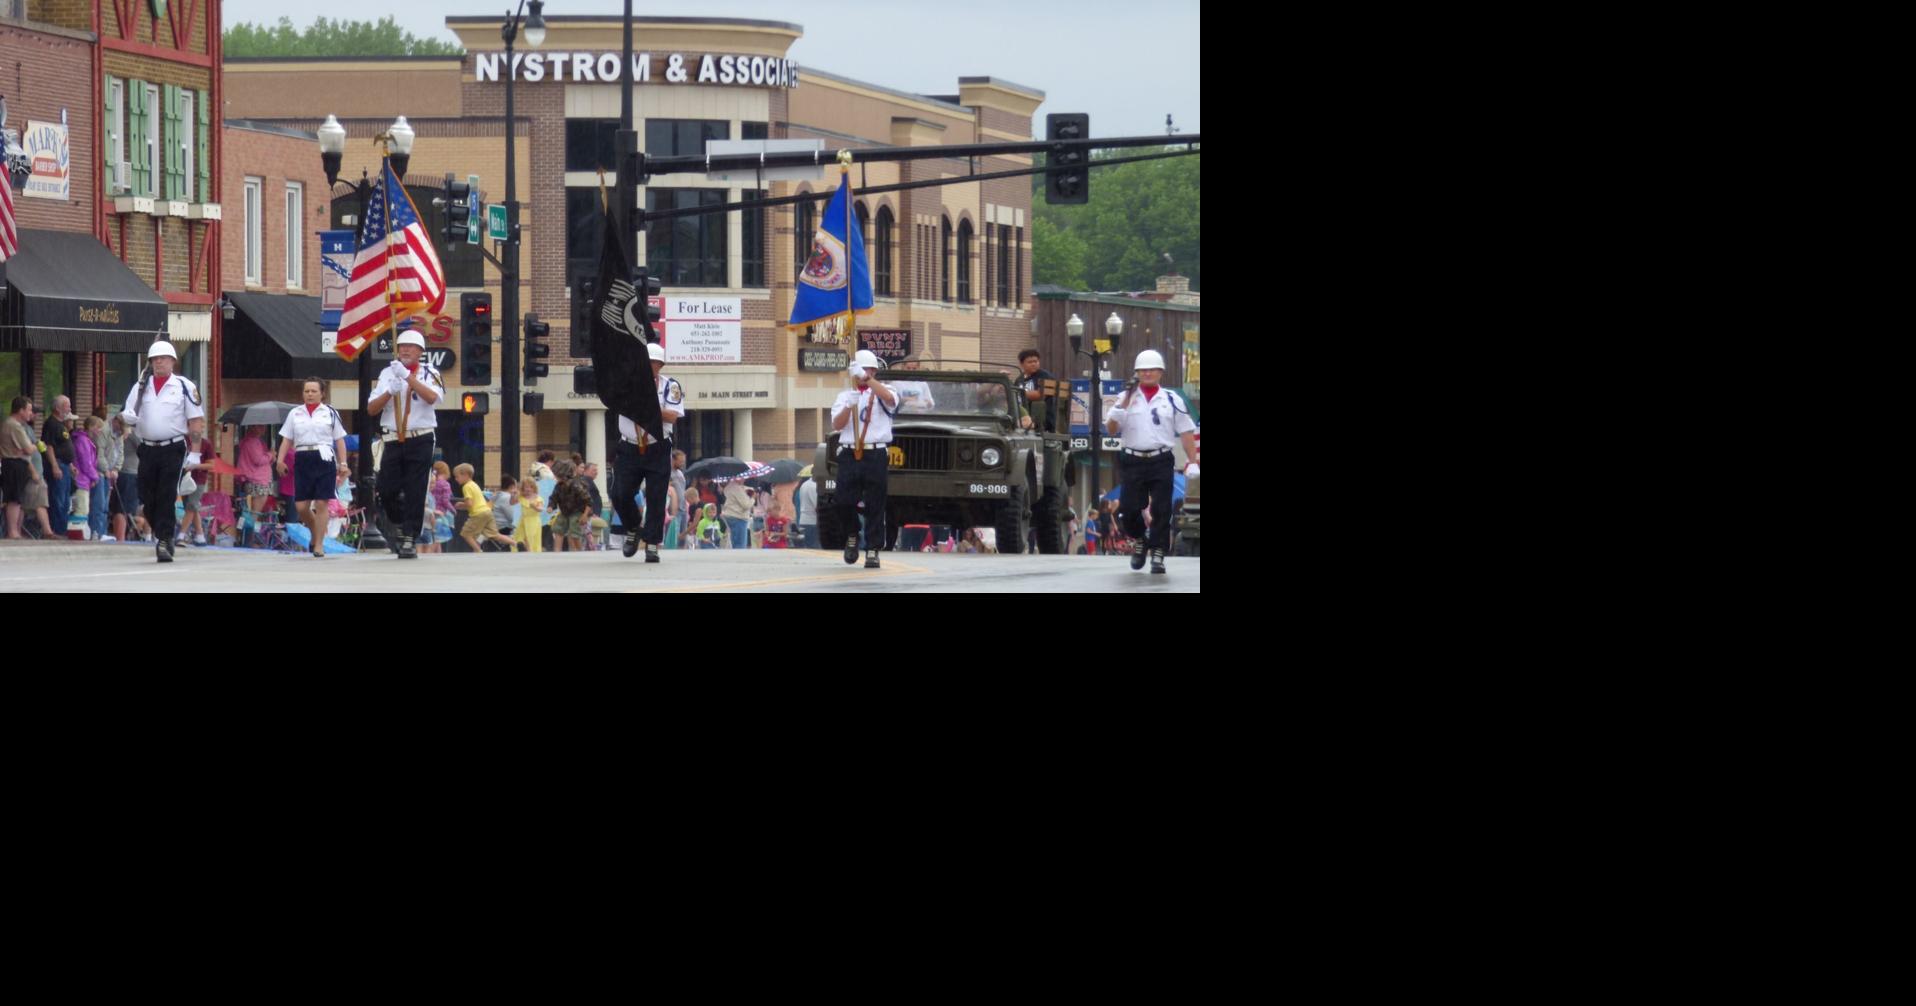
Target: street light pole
[(1114, 328), (509, 262), (332, 148)]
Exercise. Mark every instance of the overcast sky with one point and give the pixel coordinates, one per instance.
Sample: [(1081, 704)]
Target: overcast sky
[(1125, 62)]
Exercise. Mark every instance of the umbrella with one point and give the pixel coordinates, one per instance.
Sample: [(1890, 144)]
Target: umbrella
[(259, 414), (782, 471), (717, 468), (751, 474)]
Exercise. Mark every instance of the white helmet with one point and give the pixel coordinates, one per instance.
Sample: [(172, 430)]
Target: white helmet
[(867, 359), (1149, 360), (413, 339), (161, 348), (656, 351)]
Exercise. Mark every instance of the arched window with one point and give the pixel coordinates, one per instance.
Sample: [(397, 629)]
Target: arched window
[(964, 262), (882, 238), (864, 224), (803, 232), (944, 262)]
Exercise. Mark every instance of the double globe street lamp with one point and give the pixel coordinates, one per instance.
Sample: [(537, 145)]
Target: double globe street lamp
[(1114, 329)]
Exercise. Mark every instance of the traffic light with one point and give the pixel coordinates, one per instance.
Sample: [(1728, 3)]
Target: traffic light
[(475, 339), (648, 286), (536, 349), (582, 318), (1068, 178), (458, 210), (532, 403), (475, 403)]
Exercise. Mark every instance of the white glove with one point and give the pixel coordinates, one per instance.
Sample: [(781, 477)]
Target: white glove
[(1191, 470), (856, 371)]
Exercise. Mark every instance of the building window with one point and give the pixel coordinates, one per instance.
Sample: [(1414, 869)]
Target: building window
[(255, 232), (944, 261), (882, 238), (1004, 265), (584, 234), (151, 139), (803, 233), (295, 235), (184, 138), (688, 250), (591, 144), (683, 137), (964, 262), (1018, 267), (752, 256), (864, 226), (984, 252), (754, 131)]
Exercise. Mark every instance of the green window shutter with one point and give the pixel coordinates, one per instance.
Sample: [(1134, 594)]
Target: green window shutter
[(136, 133), (170, 139), (112, 131), (205, 159)]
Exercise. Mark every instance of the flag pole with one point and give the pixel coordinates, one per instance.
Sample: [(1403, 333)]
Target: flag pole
[(851, 284), (392, 314)]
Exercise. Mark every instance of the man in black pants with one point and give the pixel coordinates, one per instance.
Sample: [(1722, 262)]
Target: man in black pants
[(863, 415), (160, 406), (404, 397), (1153, 421), (653, 467)]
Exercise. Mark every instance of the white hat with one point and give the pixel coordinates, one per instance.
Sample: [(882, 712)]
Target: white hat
[(1149, 360), (867, 359), (161, 348), (656, 351), (413, 339)]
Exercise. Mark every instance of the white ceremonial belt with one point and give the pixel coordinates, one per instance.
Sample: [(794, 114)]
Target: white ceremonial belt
[(389, 436), (163, 443), (1147, 454)]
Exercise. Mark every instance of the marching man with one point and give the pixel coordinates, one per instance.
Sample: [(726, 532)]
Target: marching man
[(160, 406), (653, 466), (1151, 420), (862, 415), (404, 397)]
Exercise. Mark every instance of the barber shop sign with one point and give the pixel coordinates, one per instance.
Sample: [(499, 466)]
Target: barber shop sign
[(47, 157)]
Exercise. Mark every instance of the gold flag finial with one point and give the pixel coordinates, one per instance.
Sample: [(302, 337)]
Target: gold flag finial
[(845, 158)]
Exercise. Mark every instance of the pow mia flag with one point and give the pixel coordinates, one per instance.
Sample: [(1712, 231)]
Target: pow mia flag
[(619, 357)]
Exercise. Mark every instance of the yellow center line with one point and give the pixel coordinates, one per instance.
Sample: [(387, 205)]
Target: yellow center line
[(896, 569)]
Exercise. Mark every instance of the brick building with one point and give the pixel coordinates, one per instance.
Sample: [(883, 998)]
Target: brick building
[(951, 264)]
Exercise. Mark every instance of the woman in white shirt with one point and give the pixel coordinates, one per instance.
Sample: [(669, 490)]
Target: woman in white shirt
[(317, 439)]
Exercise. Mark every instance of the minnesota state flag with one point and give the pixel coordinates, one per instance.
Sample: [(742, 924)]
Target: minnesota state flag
[(837, 280)]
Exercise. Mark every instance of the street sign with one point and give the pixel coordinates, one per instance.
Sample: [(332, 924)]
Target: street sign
[(1080, 443), (496, 222), (472, 210), (442, 360)]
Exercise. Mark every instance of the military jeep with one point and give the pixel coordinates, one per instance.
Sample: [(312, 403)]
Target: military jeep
[(958, 456)]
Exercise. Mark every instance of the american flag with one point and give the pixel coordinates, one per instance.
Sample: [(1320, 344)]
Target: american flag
[(396, 273), (9, 235)]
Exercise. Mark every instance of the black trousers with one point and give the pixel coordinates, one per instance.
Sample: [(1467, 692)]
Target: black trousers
[(160, 486), (862, 482), (654, 468), (1148, 480), (404, 470)]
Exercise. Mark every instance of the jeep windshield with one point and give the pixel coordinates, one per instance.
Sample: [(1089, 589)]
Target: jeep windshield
[(925, 394)]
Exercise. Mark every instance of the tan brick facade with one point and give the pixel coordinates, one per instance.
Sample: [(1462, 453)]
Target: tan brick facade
[(275, 159)]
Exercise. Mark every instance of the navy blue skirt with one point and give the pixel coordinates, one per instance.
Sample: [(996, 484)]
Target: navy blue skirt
[(314, 478)]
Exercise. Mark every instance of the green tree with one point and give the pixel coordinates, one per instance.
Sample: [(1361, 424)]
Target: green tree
[(1136, 215), (333, 38)]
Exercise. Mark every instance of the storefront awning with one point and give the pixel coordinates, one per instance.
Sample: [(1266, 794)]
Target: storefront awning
[(276, 337), (66, 292)]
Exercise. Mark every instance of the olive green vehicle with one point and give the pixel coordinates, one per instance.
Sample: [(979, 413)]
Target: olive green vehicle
[(959, 456)]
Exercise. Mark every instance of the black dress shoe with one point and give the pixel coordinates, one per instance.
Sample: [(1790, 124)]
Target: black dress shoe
[(1137, 559), (851, 549), (632, 545), (871, 559), (406, 548), (651, 553), (163, 551), (1157, 560)]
